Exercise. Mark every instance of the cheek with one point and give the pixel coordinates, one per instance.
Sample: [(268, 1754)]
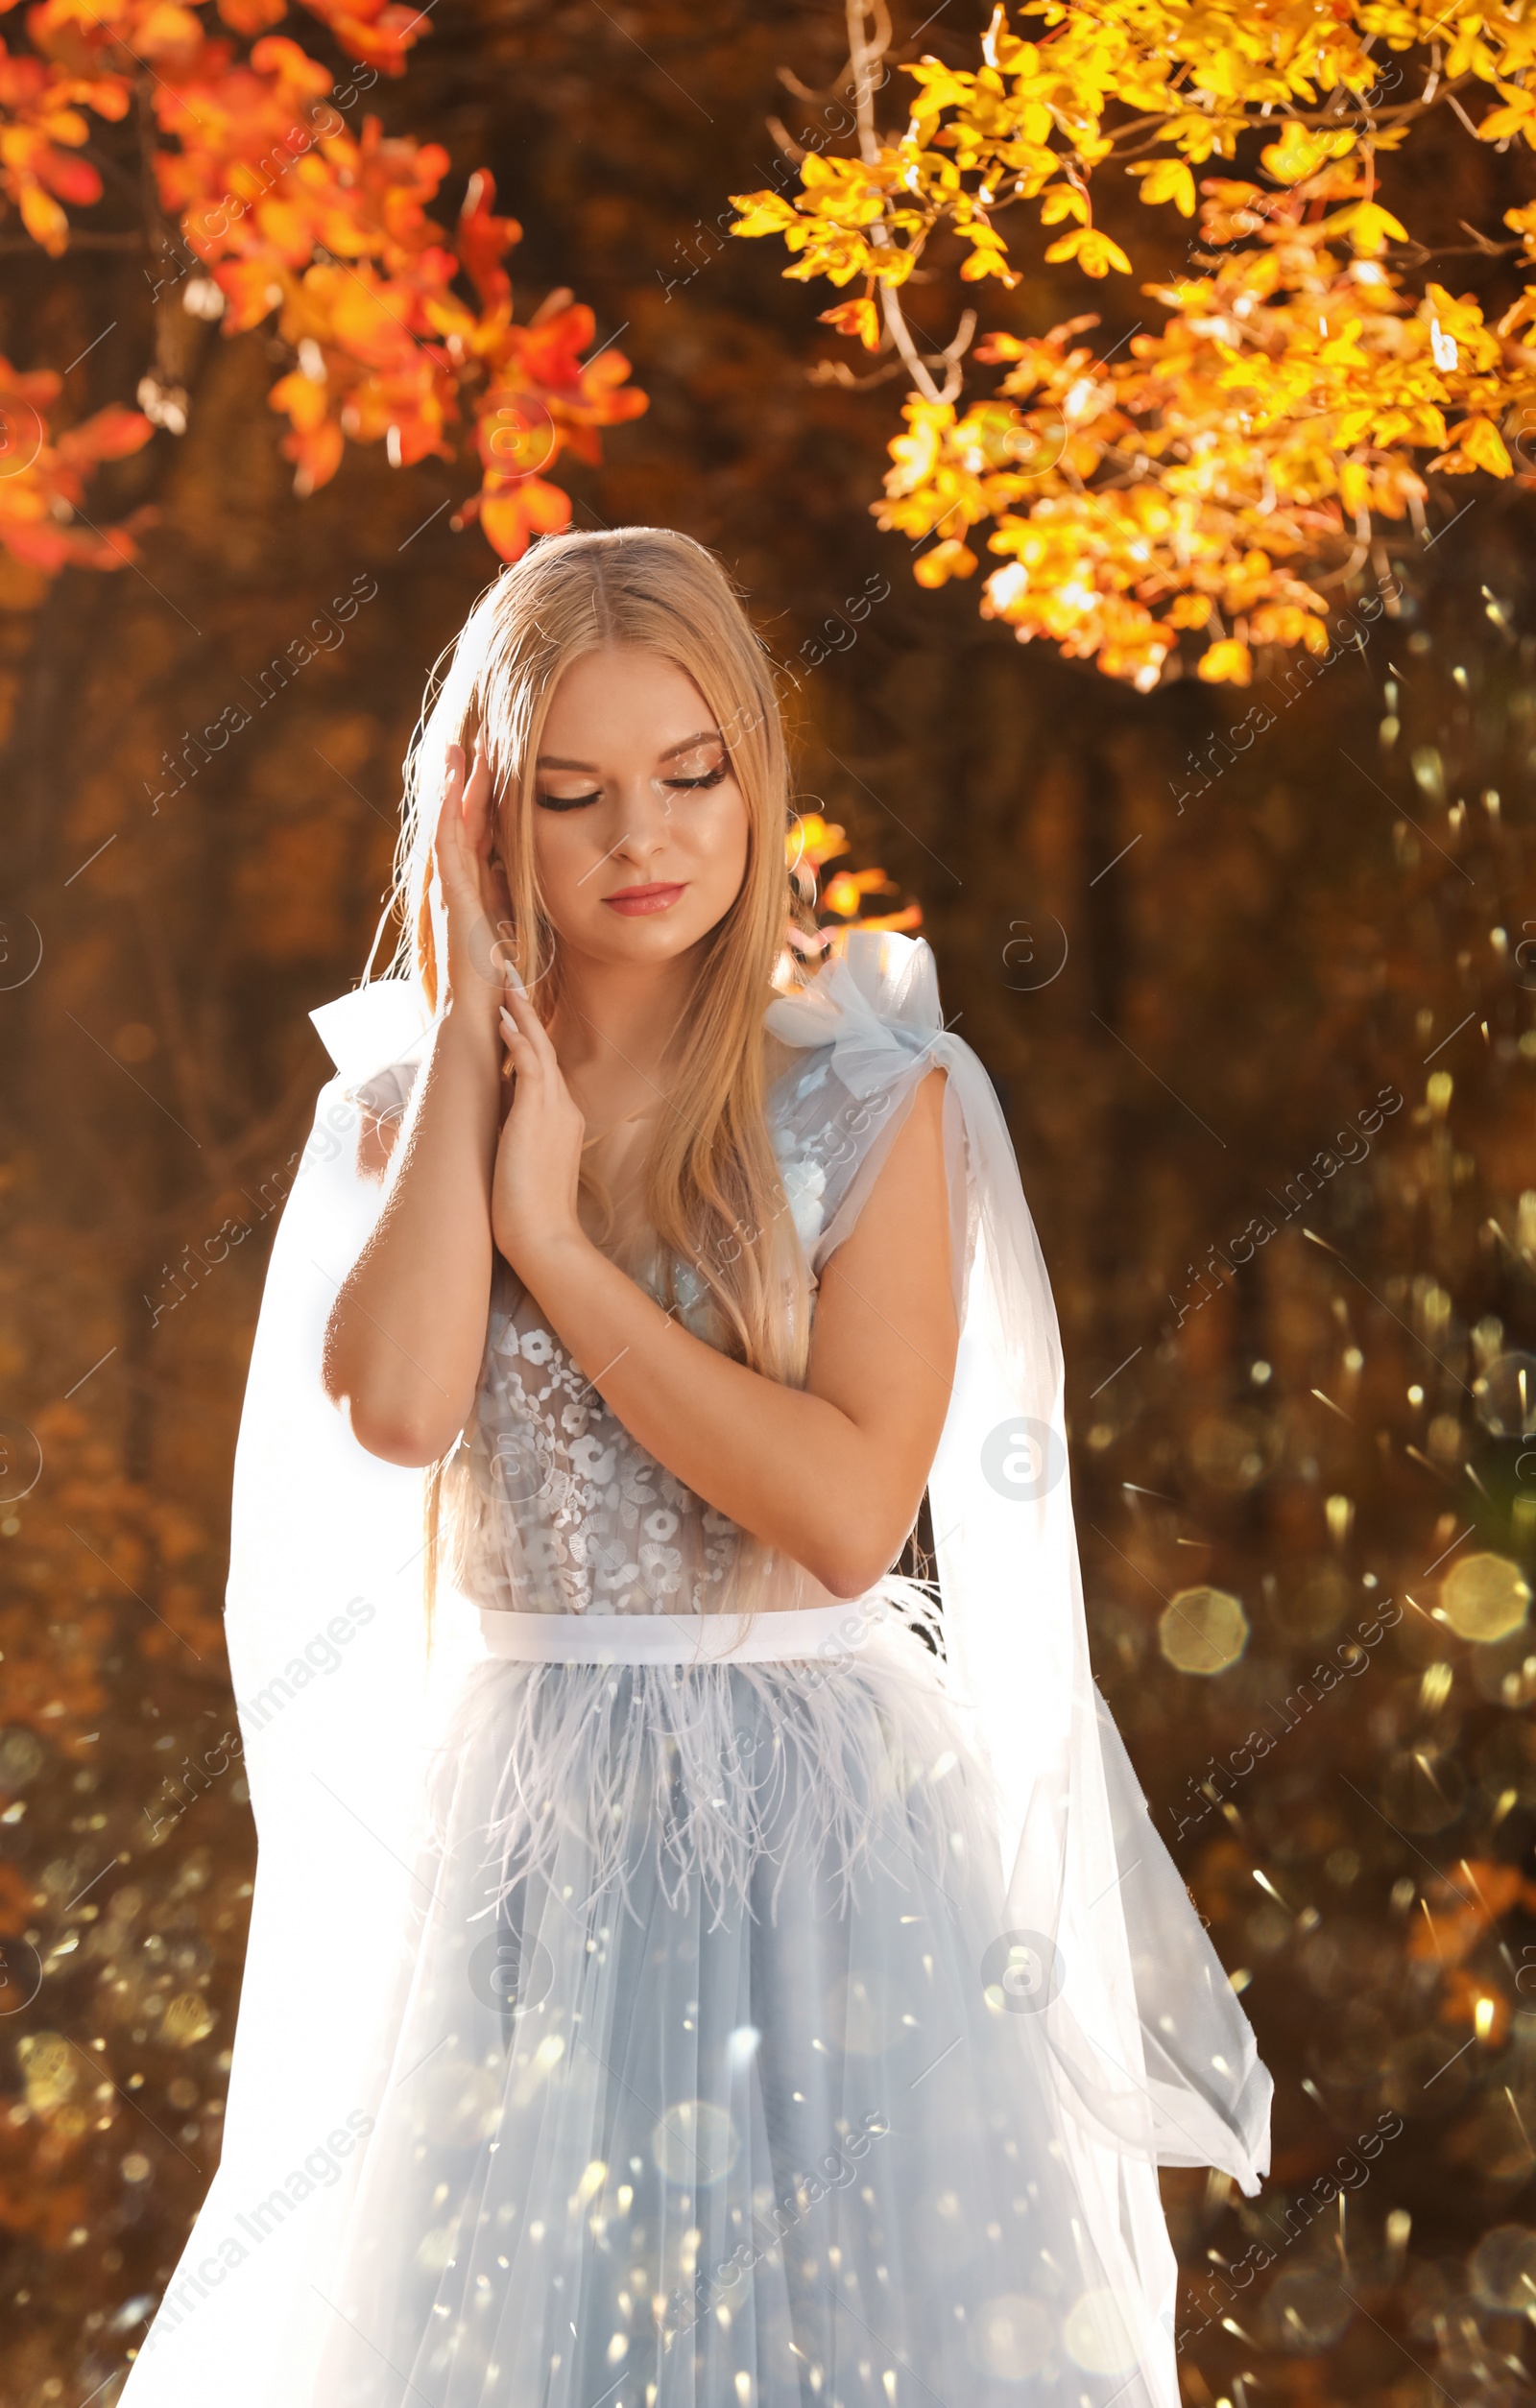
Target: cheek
[(563, 854), (718, 840)]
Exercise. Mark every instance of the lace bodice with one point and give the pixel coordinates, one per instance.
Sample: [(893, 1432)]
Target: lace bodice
[(550, 1506)]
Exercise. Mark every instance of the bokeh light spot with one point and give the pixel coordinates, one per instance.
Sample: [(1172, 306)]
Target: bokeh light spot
[(1203, 1630)]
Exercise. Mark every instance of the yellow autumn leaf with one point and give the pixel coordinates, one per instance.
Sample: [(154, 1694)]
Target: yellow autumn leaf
[(1369, 227), (1227, 663), (985, 261), (1166, 180), (1066, 246), (1300, 152), (1289, 398), (947, 559), (1097, 254), (1062, 201), (1190, 611), (1354, 486), (1518, 116), (762, 213), (1094, 252), (1481, 441)]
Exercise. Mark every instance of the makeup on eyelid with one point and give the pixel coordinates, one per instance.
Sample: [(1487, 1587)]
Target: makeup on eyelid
[(701, 783)]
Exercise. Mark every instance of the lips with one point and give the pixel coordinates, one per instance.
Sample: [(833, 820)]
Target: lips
[(633, 901)]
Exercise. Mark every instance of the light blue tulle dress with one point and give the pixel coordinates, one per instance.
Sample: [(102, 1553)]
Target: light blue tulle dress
[(710, 2065), (695, 2092)]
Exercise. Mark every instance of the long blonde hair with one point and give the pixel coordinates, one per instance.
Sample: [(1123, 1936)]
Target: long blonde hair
[(712, 1191)]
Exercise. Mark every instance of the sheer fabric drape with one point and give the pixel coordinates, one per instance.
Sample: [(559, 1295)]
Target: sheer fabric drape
[(409, 1810)]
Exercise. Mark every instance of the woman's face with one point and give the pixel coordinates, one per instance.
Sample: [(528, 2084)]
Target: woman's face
[(639, 827)]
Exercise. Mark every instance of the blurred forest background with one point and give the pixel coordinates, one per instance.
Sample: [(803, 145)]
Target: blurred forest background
[(1286, 981)]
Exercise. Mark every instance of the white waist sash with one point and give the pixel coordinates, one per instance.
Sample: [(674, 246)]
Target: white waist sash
[(824, 1633)]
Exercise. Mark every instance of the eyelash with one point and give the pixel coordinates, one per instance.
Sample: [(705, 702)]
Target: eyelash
[(682, 785)]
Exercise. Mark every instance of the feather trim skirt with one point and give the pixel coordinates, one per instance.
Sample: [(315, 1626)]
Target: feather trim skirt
[(712, 2078)]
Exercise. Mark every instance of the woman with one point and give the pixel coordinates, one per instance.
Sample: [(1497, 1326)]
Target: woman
[(721, 1979)]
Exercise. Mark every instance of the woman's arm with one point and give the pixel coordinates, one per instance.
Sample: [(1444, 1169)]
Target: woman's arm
[(833, 1473), (405, 1337)]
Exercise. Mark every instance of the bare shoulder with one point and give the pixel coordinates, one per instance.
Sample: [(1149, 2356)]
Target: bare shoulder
[(906, 1219), (887, 1326), (913, 1169), (927, 1105)]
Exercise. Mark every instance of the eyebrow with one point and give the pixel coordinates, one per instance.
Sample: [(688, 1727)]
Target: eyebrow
[(701, 735)]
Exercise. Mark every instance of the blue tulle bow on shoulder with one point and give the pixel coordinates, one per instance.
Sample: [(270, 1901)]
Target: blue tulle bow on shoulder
[(876, 999)]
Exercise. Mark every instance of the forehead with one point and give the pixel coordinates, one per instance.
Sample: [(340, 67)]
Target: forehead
[(623, 703)]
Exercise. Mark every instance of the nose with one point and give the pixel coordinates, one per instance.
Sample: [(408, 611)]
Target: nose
[(646, 809)]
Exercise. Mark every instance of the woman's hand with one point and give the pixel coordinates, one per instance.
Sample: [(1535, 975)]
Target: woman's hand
[(405, 1336), (832, 1473), (539, 1157), (471, 906)]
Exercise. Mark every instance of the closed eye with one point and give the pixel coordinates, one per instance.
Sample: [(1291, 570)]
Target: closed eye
[(677, 785), (688, 785)]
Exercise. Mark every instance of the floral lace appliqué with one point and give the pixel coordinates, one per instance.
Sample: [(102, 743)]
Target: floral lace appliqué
[(553, 1506), (549, 1505)]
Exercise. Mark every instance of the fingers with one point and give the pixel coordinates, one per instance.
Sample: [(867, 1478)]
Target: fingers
[(477, 799), (522, 1055), (465, 834), (480, 831), (449, 809), (519, 1014), (531, 1052), (477, 820), (450, 832)]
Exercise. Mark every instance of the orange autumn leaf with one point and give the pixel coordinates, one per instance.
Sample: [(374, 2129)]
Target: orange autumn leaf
[(326, 232), (252, 16), (483, 238), (845, 892), (45, 474), (379, 32), (814, 838), (944, 560), (900, 923), (512, 516), (859, 318)]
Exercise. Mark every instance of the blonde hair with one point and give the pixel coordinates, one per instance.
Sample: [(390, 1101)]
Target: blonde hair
[(713, 1192)]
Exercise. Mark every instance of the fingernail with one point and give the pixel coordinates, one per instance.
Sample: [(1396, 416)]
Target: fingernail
[(507, 1020), (514, 979)]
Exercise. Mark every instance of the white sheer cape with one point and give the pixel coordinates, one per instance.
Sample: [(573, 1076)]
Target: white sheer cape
[(1151, 2055)]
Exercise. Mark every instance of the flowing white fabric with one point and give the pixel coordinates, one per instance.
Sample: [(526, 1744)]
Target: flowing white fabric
[(1136, 2043), (1155, 2059)]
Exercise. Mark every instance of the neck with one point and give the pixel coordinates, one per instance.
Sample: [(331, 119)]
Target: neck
[(617, 1019)]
